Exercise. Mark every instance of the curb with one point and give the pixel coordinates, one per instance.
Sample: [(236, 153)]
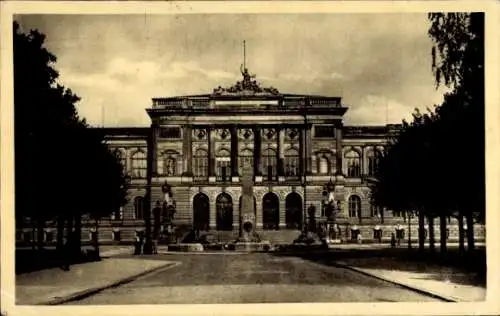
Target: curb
[(88, 292), (408, 287)]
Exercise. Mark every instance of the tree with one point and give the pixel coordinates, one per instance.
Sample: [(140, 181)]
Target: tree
[(458, 62), (63, 169)]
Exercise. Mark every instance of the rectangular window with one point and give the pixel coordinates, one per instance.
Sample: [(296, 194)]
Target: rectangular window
[(49, 236), (117, 236), (170, 132), (324, 131), (223, 169)]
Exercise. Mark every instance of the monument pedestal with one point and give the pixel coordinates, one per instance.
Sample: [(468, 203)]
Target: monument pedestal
[(249, 240)]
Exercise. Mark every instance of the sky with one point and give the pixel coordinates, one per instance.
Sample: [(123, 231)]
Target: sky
[(380, 64)]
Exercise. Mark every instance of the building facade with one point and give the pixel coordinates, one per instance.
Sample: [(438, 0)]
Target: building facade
[(297, 145)]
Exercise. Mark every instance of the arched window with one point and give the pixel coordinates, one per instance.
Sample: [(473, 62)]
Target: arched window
[(354, 206), (353, 163), (292, 162), (139, 164), (293, 211), (270, 211), (245, 159), (224, 212), (201, 211), (139, 207), (269, 164), (373, 158), (169, 163), (200, 163), (223, 163)]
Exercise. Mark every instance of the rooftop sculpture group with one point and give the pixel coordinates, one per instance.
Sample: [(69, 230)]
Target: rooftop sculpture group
[(247, 86)]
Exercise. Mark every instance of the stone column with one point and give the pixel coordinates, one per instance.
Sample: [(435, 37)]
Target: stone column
[(308, 148), (256, 150), (281, 151), (282, 213), (234, 151), (212, 222), (187, 150), (338, 147), (154, 151), (211, 151), (302, 151)]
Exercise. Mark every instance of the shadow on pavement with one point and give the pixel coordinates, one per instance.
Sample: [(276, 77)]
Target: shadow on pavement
[(432, 266)]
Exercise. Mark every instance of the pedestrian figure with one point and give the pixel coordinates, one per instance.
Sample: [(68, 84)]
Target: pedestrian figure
[(66, 253), (360, 238), (137, 245), (393, 240)]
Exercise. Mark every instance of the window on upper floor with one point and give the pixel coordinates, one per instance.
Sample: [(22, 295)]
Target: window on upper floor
[(292, 162), (223, 164), (200, 163), (373, 158), (324, 131), (122, 157), (353, 163), (354, 206), (170, 132), (139, 164), (245, 158), (269, 164)]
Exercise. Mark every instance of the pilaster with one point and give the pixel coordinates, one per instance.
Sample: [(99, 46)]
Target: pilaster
[(187, 149), (211, 152), (257, 151)]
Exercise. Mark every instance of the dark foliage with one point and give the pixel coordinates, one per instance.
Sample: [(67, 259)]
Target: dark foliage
[(62, 168), (436, 163)]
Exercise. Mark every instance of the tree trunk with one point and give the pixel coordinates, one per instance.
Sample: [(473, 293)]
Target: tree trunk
[(78, 232), (470, 233), (40, 232), (96, 241), (461, 234), (442, 226), (60, 231), (421, 232), (432, 244)]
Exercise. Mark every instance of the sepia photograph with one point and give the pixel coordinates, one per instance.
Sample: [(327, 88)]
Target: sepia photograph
[(257, 157)]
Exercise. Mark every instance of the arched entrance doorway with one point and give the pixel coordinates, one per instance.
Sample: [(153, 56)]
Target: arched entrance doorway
[(224, 212), (201, 212), (293, 211), (270, 211)]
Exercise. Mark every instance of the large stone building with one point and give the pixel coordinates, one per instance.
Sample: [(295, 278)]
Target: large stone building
[(296, 144)]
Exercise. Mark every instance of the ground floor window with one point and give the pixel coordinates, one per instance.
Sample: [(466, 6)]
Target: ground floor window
[(49, 236), (117, 236), (400, 233)]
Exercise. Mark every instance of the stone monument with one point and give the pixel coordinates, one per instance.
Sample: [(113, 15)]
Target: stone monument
[(248, 240)]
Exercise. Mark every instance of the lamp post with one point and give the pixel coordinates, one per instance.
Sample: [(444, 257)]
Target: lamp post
[(410, 216)]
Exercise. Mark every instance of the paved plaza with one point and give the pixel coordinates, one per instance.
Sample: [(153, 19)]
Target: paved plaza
[(232, 277)]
